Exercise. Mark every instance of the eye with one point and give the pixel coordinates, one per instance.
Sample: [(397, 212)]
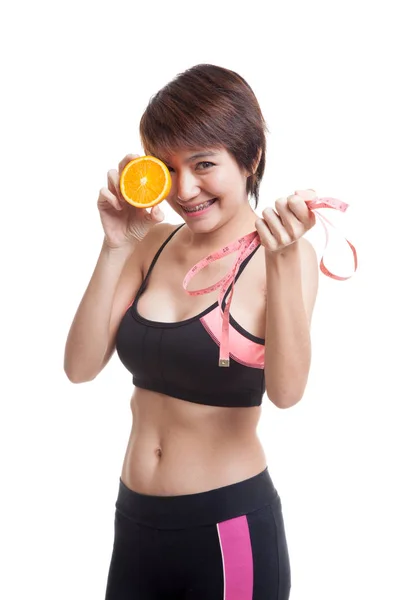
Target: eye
[(201, 166), (205, 165)]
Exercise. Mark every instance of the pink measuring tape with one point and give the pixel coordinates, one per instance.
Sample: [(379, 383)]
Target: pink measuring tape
[(245, 245)]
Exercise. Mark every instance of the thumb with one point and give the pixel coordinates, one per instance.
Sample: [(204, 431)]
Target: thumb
[(309, 194), (157, 214)]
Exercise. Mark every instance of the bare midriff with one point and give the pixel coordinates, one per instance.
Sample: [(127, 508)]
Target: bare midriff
[(178, 447)]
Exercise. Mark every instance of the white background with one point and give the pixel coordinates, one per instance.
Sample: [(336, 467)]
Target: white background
[(76, 78)]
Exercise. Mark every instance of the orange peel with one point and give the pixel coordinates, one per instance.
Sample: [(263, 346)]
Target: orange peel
[(145, 182)]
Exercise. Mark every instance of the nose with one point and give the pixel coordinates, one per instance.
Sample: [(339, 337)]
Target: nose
[(187, 186)]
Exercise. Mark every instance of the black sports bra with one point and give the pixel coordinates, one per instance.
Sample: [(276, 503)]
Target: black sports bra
[(181, 359)]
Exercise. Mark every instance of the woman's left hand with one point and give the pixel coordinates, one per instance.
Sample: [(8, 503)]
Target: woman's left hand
[(291, 220)]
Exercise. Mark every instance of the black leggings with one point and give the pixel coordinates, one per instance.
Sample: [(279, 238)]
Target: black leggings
[(224, 544)]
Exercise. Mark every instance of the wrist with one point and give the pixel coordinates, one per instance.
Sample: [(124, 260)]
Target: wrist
[(286, 251), (125, 249)]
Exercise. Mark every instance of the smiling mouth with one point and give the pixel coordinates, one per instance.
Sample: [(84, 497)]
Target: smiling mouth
[(199, 207)]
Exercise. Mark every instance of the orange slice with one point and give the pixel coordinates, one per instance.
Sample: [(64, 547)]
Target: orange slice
[(145, 182)]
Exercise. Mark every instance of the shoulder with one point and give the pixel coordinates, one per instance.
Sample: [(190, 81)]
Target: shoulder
[(153, 240), (159, 233)]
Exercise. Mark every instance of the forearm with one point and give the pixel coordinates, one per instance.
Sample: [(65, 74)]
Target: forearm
[(287, 336), (89, 333)]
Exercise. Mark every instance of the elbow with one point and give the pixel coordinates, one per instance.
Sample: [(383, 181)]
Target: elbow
[(286, 392), (284, 398), (77, 375), (284, 401)]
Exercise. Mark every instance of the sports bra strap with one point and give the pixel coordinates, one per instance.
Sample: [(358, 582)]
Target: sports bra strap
[(240, 271), (153, 262)]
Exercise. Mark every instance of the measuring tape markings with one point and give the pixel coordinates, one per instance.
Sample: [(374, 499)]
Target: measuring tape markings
[(245, 245)]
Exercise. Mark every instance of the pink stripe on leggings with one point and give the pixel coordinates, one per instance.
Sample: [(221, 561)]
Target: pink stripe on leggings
[(237, 558)]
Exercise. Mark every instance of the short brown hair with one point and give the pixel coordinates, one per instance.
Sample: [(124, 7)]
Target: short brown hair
[(208, 106)]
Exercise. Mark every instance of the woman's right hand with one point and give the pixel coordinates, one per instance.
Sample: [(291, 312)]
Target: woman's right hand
[(123, 223)]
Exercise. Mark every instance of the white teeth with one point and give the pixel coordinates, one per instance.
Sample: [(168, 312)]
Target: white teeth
[(199, 207)]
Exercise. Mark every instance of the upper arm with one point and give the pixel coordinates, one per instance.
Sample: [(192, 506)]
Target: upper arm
[(309, 275), (130, 281)]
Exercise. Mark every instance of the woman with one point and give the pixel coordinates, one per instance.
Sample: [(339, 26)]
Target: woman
[(197, 514)]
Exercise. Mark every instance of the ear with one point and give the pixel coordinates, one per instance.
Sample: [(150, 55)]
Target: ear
[(256, 162)]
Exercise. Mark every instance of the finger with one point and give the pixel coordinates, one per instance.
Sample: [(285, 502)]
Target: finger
[(288, 218), (108, 197), (276, 226), (127, 159), (157, 214), (266, 237), (113, 183), (299, 208), (306, 194)]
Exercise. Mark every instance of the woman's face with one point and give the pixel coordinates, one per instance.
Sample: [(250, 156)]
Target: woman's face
[(208, 187)]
